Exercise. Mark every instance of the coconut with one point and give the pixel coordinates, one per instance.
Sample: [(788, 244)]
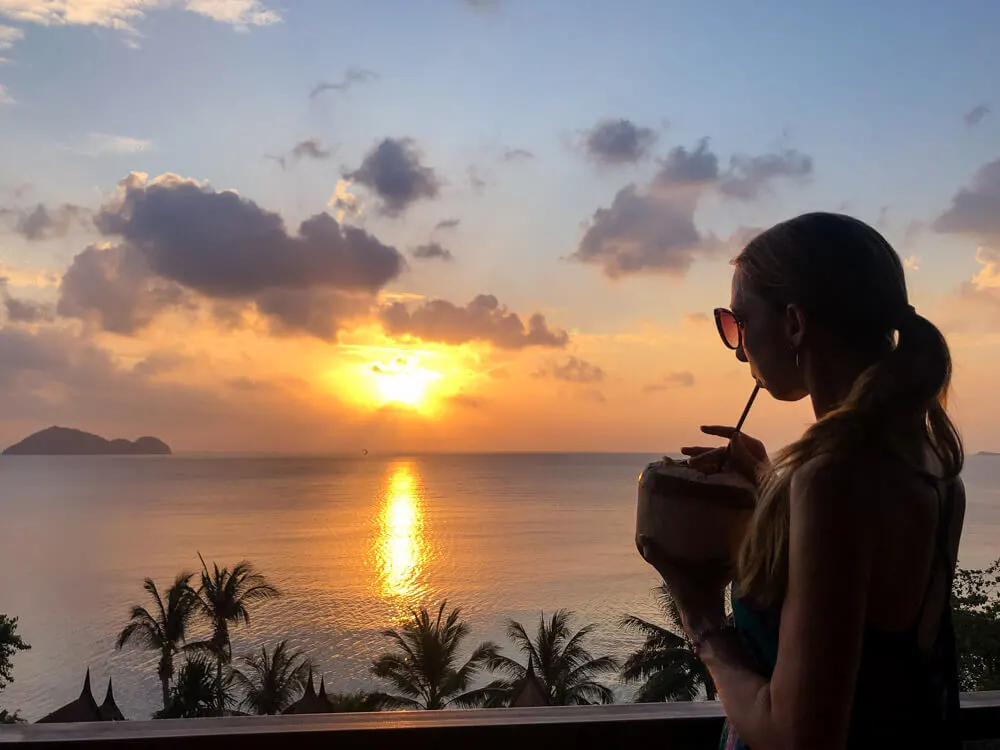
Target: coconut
[(694, 518)]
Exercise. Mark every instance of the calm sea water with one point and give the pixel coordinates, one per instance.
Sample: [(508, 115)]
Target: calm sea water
[(352, 543)]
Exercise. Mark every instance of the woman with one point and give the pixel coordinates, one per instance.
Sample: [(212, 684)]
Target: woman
[(840, 634)]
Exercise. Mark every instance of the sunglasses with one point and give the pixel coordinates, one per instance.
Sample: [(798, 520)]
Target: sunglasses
[(730, 327)]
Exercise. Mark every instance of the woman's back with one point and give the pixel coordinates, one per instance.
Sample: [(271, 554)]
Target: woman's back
[(906, 690), (907, 679)]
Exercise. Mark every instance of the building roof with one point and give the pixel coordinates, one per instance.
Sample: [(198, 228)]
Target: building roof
[(310, 703), (530, 692), (109, 709), (84, 708)]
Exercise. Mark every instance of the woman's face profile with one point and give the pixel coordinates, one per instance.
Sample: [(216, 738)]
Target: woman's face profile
[(767, 343)]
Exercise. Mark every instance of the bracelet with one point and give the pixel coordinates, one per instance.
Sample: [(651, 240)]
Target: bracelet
[(698, 642)]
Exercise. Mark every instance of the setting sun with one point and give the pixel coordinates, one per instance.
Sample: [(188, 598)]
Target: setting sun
[(403, 382)]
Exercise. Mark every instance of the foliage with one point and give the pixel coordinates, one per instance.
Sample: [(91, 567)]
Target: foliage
[(424, 667), (198, 692), (225, 597), (164, 628), (976, 602), (271, 680), (10, 644), (357, 702), (562, 663), (664, 663)]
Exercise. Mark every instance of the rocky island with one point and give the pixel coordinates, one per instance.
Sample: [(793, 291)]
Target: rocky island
[(64, 441)]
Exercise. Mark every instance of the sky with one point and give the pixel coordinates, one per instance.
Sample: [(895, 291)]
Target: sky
[(319, 226)]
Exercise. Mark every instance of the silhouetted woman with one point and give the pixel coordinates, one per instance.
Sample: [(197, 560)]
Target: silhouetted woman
[(840, 634)]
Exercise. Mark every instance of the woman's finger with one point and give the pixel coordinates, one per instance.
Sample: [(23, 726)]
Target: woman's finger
[(708, 461), (718, 430), (695, 450)]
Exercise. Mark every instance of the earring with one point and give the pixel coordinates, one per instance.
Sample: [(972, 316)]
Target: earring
[(797, 365)]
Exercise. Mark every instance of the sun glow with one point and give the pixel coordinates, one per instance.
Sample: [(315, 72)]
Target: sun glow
[(401, 547), (403, 382)]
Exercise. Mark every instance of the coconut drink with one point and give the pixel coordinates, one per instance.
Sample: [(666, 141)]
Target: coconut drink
[(694, 518)]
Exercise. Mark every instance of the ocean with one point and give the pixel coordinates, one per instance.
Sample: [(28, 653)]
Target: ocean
[(352, 542)]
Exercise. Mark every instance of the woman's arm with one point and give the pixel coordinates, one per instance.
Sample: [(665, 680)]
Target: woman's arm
[(807, 702)]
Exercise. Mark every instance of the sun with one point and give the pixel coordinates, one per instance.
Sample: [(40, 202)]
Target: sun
[(403, 382)]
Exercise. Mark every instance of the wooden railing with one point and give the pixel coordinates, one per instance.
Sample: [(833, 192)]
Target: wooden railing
[(669, 726)]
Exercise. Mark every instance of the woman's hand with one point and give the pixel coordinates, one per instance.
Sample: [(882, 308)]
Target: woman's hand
[(697, 590), (744, 454)]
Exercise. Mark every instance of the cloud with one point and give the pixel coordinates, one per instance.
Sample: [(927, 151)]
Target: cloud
[(469, 401), (113, 288), (432, 251), (697, 318), (483, 5), (747, 176), (5, 96), (56, 376), (670, 381), (689, 167), (176, 237), (651, 229), (42, 223), (574, 370), (476, 181), (9, 35), (30, 277), (975, 210), (122, 15), (911, 263), (484, 319), (393, 170), (976, 115), (620, 141), (447, 224), (311, 148), (517, 154), (352, 77), (24, 310), (989, 275), (28, 311), (98, 144), (343, 201)]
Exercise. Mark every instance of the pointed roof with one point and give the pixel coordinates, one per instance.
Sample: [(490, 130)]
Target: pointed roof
[(84, 708), (530, 692), (310, 703), (109, 709)]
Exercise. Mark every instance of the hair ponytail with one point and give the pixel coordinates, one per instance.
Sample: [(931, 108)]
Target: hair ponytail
[(897, 405)]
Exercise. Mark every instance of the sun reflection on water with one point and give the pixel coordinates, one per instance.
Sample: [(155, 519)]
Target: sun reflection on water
[(401, 545)]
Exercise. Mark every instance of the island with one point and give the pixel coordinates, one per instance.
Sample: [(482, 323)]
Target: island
[(64, 441)]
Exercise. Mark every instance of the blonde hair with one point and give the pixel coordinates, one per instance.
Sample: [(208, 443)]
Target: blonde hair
[(846, 276)]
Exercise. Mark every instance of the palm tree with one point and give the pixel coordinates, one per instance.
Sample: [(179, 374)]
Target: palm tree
[(225, 597), (198, 691), (424, 668), (561, 662), (162, 630), (271, 681), (664, 664), (344, 703)]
